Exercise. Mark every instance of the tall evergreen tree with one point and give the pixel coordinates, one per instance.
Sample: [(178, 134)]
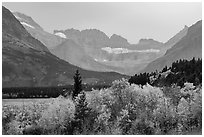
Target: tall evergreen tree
[(77, 84), (82, 111)]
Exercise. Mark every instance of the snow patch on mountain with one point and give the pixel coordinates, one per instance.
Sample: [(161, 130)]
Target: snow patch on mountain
[(17, 17), (26, 24), (103, 60), (124, 50), (61, 34), (115, 50)]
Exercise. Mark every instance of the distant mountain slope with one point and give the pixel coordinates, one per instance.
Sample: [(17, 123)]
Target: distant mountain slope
[(94, 45), (76, 55), (188, 47), (37, 31), (27, 62), (12, 26)]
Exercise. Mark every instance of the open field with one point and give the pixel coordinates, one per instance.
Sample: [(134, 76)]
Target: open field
[(23, 101), (31, 100)]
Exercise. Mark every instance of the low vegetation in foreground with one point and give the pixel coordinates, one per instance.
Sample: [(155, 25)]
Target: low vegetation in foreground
[(120, 109)]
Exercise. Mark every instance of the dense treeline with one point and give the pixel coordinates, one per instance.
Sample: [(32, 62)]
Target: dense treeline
[(180, 72), (34, 92), (141, 79), (43, 92), (186, 71)]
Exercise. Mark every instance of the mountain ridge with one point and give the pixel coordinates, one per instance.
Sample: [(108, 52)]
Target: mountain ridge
[(24, 18), (44, 37)]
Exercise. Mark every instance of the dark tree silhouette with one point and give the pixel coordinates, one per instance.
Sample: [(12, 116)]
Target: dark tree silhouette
[(165, 69), (141, 79), (77, 84)]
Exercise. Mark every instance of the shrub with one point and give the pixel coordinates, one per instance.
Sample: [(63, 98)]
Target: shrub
[(60, 112)]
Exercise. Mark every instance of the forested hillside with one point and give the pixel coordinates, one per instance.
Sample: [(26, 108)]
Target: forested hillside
[(178, 73)]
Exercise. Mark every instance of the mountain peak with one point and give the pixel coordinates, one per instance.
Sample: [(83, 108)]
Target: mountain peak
[(94, 32), (148, 41), (27, 21), (115, 36), (185, 26), (178, 36), (72, 30), (118, 41)]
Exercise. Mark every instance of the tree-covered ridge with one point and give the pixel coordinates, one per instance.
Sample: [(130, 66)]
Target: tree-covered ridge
[(180, 72)]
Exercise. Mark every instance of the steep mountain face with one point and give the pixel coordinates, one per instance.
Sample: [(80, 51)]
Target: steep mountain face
[(172, 41), (188, 47), (27, 62), (49, 40)]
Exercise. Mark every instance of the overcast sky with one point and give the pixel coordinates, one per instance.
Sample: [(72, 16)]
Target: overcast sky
[(132, 21)]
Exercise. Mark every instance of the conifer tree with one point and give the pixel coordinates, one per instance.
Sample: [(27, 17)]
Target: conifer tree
[(77, 84), (164, 69), (82, 111)]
